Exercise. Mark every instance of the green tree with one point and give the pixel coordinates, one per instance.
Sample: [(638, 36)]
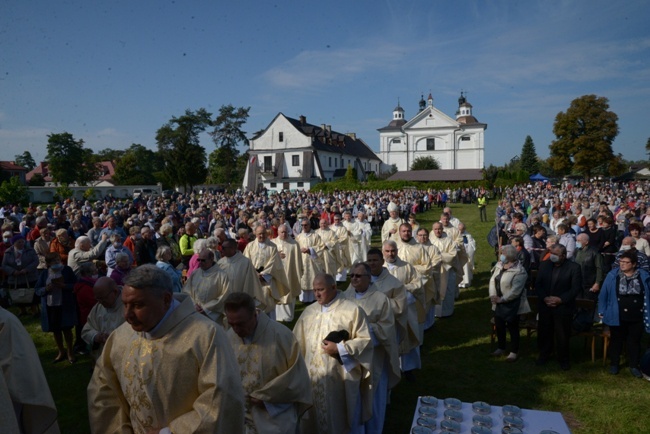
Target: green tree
[(37, 180), (25, 160), (528, 160), (228, 136), (180, 149), (138, 166), (63, 192), (584, 136), (69, 161), (351, 174), (108, 154), (425, 163), (12, 191)]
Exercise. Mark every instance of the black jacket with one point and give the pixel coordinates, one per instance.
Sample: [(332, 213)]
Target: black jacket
[(567, 286)]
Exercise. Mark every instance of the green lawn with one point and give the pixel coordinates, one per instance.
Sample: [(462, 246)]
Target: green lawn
[(456, 363)]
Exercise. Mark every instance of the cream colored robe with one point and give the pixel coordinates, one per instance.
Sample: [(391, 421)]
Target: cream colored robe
[(180, 377), (414, 284), (449, 252), (335, 391), (266, 257), (355, 230), (343, 246), (366, 237), (330, 252), (396, 293), (390, 224), (292, 263), (435, 262), (208, 289), (272, 370), (381, 320), (102, 320), (22, 382), (311, 265), (243, 278)]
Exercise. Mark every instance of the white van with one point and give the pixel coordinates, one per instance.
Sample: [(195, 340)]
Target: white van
[(137, 192)]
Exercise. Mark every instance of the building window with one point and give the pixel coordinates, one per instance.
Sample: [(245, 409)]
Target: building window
[(281, 137), (365, 165), (268, 164), (431, 144), (330, 161), (301, 184), (465, 138), (397, 141), (274, 184), (336, 162), (295, 160)]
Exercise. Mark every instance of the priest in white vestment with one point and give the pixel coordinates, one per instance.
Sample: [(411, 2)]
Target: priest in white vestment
[(392, 288), (311, 249), (366, 236), (274, 375), (331, 251), (26, 404), (381, 322), (470, 249), (242, 275), (340, 373), (414, 284), (431, 290), (104, 317), (390, 229), (168, 369), (289, 252), (343, 248), (355, 232), (208, 287), (450, 271), (267, 263)]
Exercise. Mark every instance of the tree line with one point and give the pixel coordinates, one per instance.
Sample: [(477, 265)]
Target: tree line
[(180, 159)]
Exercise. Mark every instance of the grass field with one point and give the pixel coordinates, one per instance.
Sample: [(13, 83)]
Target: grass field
[(456, 363)]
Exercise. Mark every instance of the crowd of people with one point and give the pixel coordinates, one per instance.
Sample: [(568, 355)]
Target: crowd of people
[(577, 242), (172, 296)]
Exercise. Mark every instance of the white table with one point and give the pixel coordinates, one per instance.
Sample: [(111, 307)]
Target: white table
[(534, 420)]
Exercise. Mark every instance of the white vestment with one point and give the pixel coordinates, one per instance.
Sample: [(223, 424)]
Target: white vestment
[(102, 320), (312, 262), (289, 252), (208, 289)]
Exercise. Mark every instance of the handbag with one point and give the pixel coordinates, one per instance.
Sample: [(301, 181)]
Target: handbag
[(21, 295)]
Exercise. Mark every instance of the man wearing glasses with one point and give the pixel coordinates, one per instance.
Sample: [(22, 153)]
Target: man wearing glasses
[(381, 322), (340, 372), (208, 287)]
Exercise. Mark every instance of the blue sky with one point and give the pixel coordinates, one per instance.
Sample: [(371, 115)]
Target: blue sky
[(113, 72)]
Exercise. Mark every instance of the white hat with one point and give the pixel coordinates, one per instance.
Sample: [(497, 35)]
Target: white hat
[(392, 207)]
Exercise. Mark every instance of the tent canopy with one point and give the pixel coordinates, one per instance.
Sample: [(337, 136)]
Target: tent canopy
[(538, 177)]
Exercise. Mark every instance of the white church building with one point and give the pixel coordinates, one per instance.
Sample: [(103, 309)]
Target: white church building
[(292, 154), (456, 143)]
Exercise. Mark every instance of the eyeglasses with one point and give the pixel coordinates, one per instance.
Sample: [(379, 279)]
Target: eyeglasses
[(354, 276)]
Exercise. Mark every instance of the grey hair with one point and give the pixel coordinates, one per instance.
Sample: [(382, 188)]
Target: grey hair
[(115, 237), (121, 256), (160, 253), (165, 229), (79, 241), (148, 277), (86, 269), (364, 265), (199, 245), (391, 243), (212, 243), (510, 252), (327, 278)]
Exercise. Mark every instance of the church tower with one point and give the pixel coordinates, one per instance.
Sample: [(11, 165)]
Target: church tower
[(398, 112)]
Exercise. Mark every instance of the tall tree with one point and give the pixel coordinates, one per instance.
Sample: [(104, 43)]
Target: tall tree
[(108, 154), (138, 165), (584, 136), (228, 136), (180, 148), (69, 161), (425, 163), (26, 160), (528, 160)]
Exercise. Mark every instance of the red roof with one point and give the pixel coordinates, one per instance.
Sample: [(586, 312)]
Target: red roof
[(107, 170), (10, 165)]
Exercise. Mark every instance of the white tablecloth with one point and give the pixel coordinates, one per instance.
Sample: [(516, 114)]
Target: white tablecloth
[(534, 420)]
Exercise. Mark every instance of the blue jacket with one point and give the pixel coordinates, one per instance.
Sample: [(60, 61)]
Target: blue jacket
[(608, 304)]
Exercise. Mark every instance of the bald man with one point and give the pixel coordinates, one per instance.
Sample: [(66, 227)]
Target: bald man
[(104, 317)]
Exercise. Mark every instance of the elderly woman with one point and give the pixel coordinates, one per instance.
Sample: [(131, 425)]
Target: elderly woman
[(166, 238), (642, 245), (61, 244), (508, 297), (199, 246), (122, 267), (59, 309), (113, 250), (212, 243), (623, 305), (163, 256), (20, 265)]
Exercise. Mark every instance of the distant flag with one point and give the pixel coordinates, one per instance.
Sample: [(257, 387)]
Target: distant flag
[(253, 159)]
